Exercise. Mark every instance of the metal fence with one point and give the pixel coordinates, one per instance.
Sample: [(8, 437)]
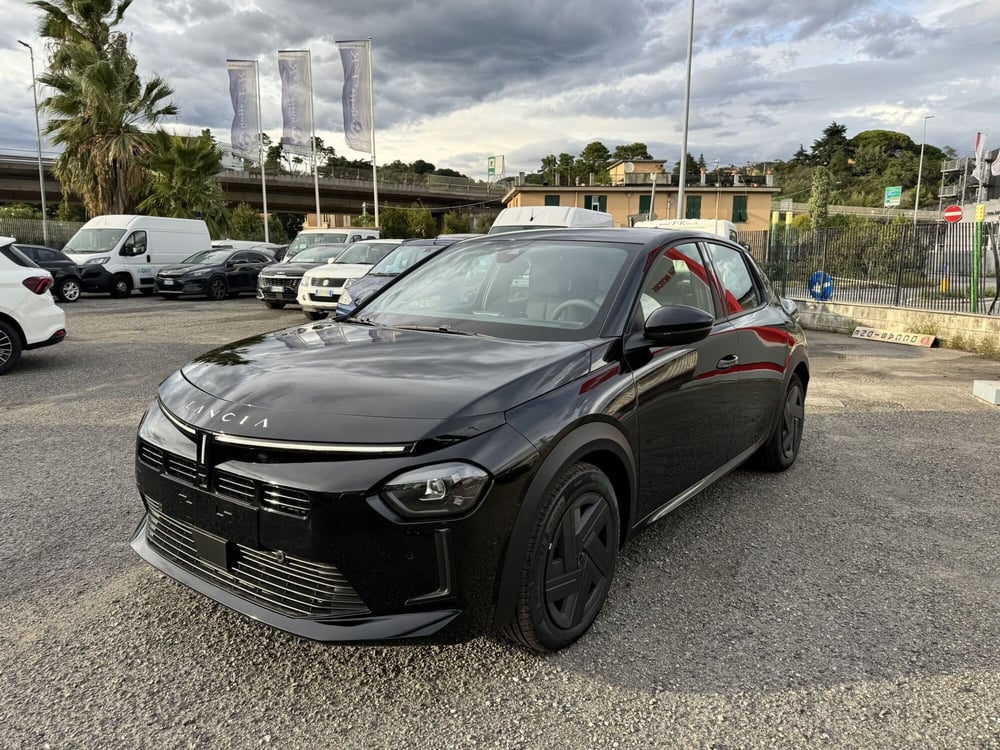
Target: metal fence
[(943, 267), (29, 231)]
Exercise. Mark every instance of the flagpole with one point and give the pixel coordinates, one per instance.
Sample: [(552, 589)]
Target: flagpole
[(260, 155), (312, 118), (371, 105)]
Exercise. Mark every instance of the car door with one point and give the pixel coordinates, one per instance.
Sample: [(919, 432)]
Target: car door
[(256, 261), (686, 394), (763, 344)]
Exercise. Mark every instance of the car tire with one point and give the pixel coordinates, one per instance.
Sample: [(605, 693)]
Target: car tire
[(121, 286), (69, 290), (10, 347), (274, 305), (570, 562), (217, 289), (782, 447), (318, 315)]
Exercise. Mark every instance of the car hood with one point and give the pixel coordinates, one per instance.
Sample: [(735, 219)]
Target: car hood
[(346, 382), (339, 271), (179, 269), (288, 269)]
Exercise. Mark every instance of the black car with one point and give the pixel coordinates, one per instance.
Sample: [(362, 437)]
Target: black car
[(216, 274), (401, 259), (65, 273), (469, 450), (278, 283)]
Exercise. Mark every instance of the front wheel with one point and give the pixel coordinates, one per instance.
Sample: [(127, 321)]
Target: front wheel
[(570, 562), (121, 286), (68, 290), (782, 447), (217, 289), (10, 347), (318, 315)]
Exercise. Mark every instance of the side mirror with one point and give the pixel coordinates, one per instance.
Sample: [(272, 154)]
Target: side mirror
[(677, 324), (790, 307)]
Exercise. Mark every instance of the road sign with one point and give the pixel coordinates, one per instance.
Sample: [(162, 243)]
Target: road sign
[(893, 195), (953, 214)]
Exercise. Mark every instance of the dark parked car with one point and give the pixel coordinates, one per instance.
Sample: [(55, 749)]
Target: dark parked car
[(404, 257), (216, 274), (469, 451), (278, 283), (65, 273)]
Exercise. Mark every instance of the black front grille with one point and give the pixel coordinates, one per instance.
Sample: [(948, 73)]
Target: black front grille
[(180, 467), (289, 284), (150, 455), (236, 487), (289, 585), (286, 500)]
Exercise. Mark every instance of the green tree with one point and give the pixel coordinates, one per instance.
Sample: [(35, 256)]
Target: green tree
[(246, 223), (631, 152), (566, 166), (20, 211), (395, 222), (593, 163), (549, 167), (456, 223), (421, 222), (819, 197), (181, 180), (833, 141), (98, 107)]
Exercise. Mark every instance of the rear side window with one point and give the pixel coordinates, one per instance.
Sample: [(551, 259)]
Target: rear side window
[(677, 276), (739, 289)]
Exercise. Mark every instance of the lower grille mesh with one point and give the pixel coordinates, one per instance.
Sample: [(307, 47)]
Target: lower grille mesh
[(292, 586)]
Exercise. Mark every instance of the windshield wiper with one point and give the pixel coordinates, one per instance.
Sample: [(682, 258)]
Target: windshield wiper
[(441, 329)]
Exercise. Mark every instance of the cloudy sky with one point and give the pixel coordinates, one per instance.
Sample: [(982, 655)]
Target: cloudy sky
[(459, 80)]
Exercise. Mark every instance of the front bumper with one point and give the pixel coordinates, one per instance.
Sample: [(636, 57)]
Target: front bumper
[(308, 546), (181, 285), (278, 289)]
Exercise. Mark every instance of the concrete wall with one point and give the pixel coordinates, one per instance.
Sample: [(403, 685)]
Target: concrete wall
[(979, 333)]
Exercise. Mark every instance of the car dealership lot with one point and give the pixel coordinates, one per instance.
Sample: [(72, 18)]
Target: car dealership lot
[(851, 601)]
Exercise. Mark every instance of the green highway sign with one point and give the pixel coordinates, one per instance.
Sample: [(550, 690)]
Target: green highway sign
[(893, 195)]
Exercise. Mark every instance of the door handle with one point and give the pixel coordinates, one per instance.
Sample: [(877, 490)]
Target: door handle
[(726, 362)]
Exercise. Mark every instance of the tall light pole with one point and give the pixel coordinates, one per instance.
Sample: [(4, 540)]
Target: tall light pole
[(38, 143), (920, 169), (687, 109)]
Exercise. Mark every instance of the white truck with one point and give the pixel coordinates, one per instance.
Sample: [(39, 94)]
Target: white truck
[(548, 217), (713, 226), (121, 252)]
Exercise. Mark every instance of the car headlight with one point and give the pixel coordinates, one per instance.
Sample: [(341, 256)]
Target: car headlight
[(437, 490), (97, 261), (345, 297), (199, 273)]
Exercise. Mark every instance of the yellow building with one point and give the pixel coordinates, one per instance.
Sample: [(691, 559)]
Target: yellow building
[(632, 194)]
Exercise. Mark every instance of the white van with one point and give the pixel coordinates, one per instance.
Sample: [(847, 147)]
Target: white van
[(548, 217), (119, 253), (333, 236), (713, 226)]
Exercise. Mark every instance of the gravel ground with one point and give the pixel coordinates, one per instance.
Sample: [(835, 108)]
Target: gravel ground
[(851, 602)]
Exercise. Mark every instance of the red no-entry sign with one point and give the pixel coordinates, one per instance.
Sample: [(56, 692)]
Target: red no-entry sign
[(953, 214)]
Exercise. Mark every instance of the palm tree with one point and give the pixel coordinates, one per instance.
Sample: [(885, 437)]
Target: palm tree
[(98, 106), (180, 179)]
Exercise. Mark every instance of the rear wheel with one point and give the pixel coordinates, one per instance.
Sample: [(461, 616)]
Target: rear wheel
[(10, 347), (319, 315), (121, 286), (68, 290), (217, 289), (274, 305), (570, 562), (781, 449)]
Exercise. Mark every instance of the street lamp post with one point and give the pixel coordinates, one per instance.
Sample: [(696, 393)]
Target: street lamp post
[(920, 169), (38, 143)]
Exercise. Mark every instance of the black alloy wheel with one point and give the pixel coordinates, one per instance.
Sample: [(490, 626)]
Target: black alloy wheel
[(10, 347), (68, 290), (570, 563), (217, 288), (782, 448)]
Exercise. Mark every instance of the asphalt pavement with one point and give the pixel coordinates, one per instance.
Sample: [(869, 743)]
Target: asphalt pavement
[(851, 602)]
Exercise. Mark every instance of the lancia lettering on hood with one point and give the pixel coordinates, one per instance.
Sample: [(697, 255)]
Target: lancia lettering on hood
[(227, 416)]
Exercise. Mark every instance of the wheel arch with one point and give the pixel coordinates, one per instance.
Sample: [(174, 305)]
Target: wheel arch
[(598, 443), (16, 326)]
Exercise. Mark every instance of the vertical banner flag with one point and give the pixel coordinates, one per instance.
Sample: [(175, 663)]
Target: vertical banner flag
[(243, 91), (980, 155), (296, 100), (357, 95)]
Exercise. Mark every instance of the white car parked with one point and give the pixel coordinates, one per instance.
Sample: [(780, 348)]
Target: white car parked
[(29, 316), (321, 287)]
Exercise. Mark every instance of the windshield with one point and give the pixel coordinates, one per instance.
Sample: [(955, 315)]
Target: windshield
[(366, 253), (319, 253), (303, 240), (402, 258), (93, 241), (538, 290), (209, 257)]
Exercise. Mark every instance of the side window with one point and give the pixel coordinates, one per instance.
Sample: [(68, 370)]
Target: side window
[(739, 291), (739, 209), (241, 258), (551, 200), (260, 258), (135, 245), (43, 255), (677, 276)]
